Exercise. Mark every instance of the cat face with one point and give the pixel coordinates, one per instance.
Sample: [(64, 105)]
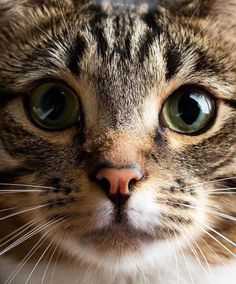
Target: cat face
[(123, 124)]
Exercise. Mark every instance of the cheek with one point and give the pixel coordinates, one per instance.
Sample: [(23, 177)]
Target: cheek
[(144, 211), (102, 214)]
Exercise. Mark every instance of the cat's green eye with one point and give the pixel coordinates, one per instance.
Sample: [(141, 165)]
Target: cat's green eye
[(53, 106), (188, 111)]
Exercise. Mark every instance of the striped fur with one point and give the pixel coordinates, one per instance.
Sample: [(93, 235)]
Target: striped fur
[(123, 61)]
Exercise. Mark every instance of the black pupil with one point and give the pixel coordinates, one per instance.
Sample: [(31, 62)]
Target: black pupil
[(54, 103), (189, 109)]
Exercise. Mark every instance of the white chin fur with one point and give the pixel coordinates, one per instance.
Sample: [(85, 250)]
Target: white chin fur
[(127, 263)]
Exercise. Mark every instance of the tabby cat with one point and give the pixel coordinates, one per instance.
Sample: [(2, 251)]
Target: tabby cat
[(117, 142)]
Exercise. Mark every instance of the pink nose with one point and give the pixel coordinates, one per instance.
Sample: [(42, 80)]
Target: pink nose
[(119, 179)]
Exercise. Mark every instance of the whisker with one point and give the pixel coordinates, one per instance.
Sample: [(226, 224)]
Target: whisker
[(168, 244), (195, 10), (186, 263), (37, 263), (20, 191), (219, 189), (55, 266), (215, 254), (209, 182), (25, 237), (176, 263), (25, 259), (30, 254), (49, 262), (205, 260), (16, 233), (219, 234), (195, 254), (212, 212), (223, 193), (215, 239), (24, 211), (8, 209), (190, 245), (26, 185)]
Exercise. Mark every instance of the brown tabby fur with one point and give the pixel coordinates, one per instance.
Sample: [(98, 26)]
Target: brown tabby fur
[(123, 63)]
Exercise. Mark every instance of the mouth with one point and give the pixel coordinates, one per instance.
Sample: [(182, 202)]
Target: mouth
[(119, 232)]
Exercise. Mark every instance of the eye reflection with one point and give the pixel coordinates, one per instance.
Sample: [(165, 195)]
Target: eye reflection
[(188, 111)]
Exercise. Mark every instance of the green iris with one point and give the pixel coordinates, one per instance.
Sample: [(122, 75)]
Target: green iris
[(53, 106), (188, 112)]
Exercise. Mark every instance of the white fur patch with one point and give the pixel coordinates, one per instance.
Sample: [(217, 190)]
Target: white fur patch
[(166, 270)]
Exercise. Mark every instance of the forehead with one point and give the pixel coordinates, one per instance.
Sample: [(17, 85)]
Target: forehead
[(124, 42), (123, 48), (118, 53)]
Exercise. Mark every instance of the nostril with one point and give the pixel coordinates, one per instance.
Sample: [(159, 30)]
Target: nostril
[(119, 182), (105, 184), (132, 184)]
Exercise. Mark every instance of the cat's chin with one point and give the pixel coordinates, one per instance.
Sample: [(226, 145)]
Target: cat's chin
[(121, 234), (116, 248)]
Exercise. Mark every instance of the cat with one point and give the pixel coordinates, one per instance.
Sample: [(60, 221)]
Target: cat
[(117, 142)]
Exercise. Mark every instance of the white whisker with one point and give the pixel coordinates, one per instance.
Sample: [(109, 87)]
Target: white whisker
[(16, 233), (24, 261), (55, 266), (219, 234), (186, 263), (41, 241), (212, 212), (193, 250), (215, 254), (7, 191), (222, 193), (220, 243), (209, 182), (8, 209), (24, 211), (220, 189), (26, 185), (49, 262), (25, 237), (40, 258), (176, 263), (205, 259)]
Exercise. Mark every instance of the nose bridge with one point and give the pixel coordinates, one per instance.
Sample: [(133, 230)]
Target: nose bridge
[(118, 165), (120, 150)]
